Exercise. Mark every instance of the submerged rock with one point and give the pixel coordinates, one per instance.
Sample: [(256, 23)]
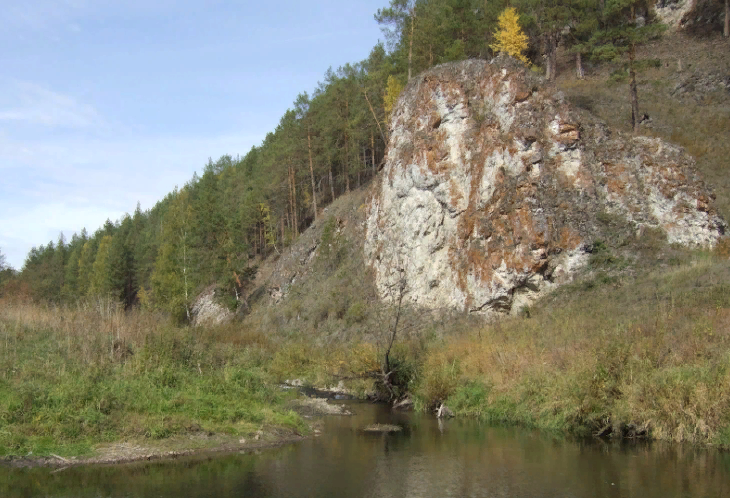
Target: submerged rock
[(382, 428), (494, 189), (318, 406)]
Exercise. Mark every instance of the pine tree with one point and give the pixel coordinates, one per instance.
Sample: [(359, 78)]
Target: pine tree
[(620, 34), (71, 274), (509, 37), (121, 265), (402, 16)]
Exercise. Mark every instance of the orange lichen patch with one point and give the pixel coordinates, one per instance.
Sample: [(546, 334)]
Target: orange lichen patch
[(568, 133), (521, 92), (569, 239), (617, 177), (455, 193), (522, 96), (503, 233)]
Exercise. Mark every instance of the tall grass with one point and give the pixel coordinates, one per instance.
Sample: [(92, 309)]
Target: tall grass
[(72, 377), (648, 353)]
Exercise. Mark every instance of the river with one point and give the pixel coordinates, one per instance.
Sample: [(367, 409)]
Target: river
[(428, 458)]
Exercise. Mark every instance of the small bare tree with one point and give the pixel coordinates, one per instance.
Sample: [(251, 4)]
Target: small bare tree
[(397, 291)]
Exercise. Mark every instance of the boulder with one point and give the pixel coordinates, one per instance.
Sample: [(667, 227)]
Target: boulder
[(494, 189), (207, 311)]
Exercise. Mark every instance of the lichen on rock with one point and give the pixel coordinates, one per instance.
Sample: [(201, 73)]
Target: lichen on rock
[(493, 185)]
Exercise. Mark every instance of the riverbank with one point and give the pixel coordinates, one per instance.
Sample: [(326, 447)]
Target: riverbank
[(632, 349), (624, 352), (144, 450), (74, 379)]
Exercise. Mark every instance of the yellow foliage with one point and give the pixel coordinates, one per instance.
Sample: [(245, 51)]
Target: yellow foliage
[(392, 92), (509, 37)]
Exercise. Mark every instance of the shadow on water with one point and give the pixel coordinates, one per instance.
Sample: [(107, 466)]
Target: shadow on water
[(427, 458)]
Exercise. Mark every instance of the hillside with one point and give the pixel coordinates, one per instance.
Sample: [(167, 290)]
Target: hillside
[(636, 345), (299, 253), (685, 91)]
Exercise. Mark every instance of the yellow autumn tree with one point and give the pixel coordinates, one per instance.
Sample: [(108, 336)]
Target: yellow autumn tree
[(509, 37), (392, 91)]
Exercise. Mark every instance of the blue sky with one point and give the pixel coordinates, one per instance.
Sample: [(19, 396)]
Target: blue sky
[(105, 103)]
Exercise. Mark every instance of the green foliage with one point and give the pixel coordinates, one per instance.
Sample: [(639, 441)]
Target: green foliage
[(62, 392), (333, 245), (356, 313), (240, 210), (100, 284), (392, 91)]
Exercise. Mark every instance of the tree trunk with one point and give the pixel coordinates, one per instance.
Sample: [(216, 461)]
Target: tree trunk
[(294, 196), (580, 73), (374, 115), (311, 173), (726, 32), (372, 153), (410, 44), (347, 147), (633, 90), (552, 57), (184, 238), (332, 183)]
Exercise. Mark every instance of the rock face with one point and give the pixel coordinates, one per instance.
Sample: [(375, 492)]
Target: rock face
[(206, 311), (671, 12), (493, 187)]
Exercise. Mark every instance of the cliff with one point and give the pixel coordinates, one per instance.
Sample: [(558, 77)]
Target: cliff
[(494, 189)]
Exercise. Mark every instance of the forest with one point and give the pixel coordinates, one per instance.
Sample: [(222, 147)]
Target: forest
[(214, 229)]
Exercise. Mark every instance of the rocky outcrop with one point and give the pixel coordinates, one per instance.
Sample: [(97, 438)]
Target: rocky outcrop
[(494, 186), (206, 311), (694, 16), (671, 12)]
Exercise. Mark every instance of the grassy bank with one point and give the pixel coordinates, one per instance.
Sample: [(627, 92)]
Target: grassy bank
[(635, 347), (607, 355), (71, 378), (619, 352)]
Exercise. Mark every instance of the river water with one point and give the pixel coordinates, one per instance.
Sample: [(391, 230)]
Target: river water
[(428, 458)]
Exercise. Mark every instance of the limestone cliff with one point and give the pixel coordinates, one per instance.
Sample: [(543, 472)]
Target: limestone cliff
[(493, 186)]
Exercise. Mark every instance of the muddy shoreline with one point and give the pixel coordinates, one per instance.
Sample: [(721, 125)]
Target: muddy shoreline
[(122, 453)]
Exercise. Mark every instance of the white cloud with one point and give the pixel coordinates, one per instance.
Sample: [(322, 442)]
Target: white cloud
[(33, 104)]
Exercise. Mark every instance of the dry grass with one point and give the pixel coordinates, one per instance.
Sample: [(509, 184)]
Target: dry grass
[(649, 352), (684, 96)]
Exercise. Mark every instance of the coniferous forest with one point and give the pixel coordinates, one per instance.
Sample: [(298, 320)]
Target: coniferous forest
[(213, 229), (95, 343)]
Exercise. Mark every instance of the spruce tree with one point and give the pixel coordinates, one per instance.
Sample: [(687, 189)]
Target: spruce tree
[(121, 265), (71, 275), (86, 267)]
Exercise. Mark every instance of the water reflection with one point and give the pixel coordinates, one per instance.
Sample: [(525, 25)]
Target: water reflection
[(454, 458)]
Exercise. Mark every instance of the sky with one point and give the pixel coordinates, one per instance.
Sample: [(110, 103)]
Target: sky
[(106, 103)]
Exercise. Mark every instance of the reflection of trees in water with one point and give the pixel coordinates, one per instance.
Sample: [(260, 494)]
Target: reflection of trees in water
[(458, 458)]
